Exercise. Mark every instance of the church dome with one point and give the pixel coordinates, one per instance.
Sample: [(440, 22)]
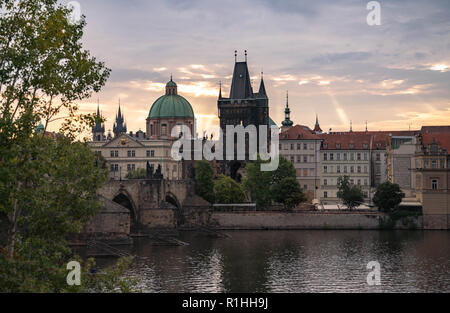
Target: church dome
[(171, 104)]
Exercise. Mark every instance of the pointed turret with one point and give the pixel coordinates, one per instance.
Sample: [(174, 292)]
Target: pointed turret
[(262, 88), (98, 131), (317, 128), (351, 128), (119, 126)]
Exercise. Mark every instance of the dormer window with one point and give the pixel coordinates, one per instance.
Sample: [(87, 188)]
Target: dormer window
[(365, 145), (338, 146), (351, 146), (325, 146)]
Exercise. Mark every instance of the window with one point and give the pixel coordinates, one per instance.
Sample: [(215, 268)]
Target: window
[(325, 146), (325, 182), (351, 146), (281, 146), (345, 169), (148, 153), (292, 146), (338, 156), (131, 153), (305, 187), (299, 146), (338, 146), (345, 156), (325, 157), (305, 146), (434, 184), (378, 157), (434, 164), (325, 169), (359, 169), (128, 167), (292, 159), (365, 146), (352, 170), (359, 182), (152, 153), (352, 181), (331, 156), (365, 182), (358, 156), (352, 156), (175, 168), (305, 159), (365, 169), (111, 167), (365, 156), (305, 172), (163, 130), (299, 158), (325, 194), (112, 153), (116, 167), (338, 169)]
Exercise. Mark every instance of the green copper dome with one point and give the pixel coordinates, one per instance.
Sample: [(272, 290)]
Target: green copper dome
[(171, 104)]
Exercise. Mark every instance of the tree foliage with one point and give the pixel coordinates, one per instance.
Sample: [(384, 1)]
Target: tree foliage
[(47, 183), (204, 185), (280, 185), (388, 196), (351, 195), (228, 191)]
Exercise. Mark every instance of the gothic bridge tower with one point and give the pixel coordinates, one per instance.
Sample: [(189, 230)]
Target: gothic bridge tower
[(242, 107)]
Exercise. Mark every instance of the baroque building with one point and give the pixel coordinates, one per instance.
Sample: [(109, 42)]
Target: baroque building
[(127, 152)]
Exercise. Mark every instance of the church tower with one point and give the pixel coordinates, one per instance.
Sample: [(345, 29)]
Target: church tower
[(242, 107), (287, 123), (119, 126), (98, 131), (317, 128)]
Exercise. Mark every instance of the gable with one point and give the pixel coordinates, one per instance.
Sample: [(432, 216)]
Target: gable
[(123, 141)]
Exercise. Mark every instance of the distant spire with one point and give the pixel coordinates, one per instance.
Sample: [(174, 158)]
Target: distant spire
[(220, 90), (98, 107), (351, 129), (245, 52), (235, 55), (317, 128), (287, 113), (366, 125)]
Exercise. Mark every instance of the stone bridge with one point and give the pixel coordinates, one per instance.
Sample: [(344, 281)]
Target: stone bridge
[(154, 203)]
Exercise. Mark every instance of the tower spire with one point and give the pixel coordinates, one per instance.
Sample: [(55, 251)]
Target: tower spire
[(317, 128), (351, 129), (235, 56), (220, 89), (245, 52), (366, 125), (287, 113)]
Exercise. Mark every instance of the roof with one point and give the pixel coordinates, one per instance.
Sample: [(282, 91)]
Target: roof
[(299, 132), (171, 106), (435, 129), (271, 122), (442, 138), (360, 141), (241, 87)]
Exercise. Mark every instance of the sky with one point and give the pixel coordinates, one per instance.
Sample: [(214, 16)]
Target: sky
[(394, 76)]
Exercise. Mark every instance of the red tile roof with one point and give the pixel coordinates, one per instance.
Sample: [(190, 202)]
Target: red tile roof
[(345, 140), (443, 138), (299, 132), (435, 129)]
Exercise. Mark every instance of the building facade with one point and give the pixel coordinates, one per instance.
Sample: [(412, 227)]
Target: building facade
[(301, 146), (432, 169), (344, 154), (128, 152)]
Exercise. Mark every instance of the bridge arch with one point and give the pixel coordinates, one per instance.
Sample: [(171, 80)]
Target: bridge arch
[(124, 199), (172, 199)]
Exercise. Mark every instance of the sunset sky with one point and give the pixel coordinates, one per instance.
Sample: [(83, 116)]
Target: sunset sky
[(395, 76)]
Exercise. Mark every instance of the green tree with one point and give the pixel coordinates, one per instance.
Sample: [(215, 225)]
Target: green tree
[(204, 185), (351, 196), (140, 173), (258, 183), (285, 170), (228, 191), (388, 196), (47, 184), (288, 192)]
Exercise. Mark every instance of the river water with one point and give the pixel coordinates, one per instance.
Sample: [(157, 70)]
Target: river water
[(296, 261)]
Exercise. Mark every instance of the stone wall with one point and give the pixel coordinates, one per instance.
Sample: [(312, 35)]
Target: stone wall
[(158, 218), (294, 220)]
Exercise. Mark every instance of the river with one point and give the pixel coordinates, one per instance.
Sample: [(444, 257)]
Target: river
[(296, 261)]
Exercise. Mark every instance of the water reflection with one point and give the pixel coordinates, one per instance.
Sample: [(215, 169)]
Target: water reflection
[(297, 261)]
